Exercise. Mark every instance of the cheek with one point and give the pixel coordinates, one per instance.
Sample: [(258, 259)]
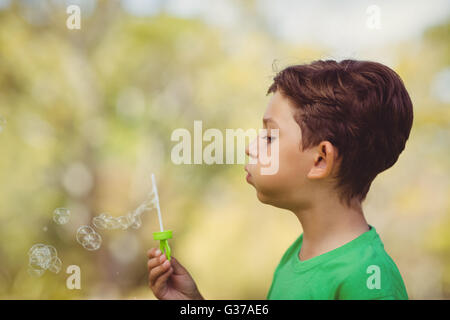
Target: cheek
[(293, 162), (292, 170)]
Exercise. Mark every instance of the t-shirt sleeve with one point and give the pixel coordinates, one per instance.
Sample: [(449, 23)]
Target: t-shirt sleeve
[(361, 285), (355, 291)]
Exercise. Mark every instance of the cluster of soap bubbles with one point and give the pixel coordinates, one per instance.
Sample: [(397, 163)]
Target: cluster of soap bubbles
[(61, 215), (89, 238), (106, 221), (43, 257), (132, 219)]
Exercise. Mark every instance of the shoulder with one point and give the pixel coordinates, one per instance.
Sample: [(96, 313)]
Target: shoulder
[(371, 274)]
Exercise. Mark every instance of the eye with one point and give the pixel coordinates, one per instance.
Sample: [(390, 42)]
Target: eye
[(269, 139)]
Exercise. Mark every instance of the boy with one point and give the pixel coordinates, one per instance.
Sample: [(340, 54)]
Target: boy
[(339, 125)]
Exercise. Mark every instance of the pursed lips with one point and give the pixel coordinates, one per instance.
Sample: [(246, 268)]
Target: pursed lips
[(248, 173)]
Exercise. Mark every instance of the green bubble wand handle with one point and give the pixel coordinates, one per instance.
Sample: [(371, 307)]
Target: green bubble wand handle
[(162, 236)]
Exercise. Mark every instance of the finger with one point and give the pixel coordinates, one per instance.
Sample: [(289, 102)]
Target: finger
[(154, 262), (162, 280), (177, 267), (153, 252), (158, 271)]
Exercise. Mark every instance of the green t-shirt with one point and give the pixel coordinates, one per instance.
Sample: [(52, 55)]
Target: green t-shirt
[(360, 269)]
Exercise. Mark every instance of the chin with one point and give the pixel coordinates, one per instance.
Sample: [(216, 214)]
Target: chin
[(273, 200), (266, 199), (261, 197)]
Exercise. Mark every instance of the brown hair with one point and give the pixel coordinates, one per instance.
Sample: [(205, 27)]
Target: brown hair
[(361, 107)]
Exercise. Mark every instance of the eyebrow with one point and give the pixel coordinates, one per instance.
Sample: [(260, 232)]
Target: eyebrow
[(266, 120)]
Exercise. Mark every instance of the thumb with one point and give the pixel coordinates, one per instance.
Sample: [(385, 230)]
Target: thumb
[(177, 267)]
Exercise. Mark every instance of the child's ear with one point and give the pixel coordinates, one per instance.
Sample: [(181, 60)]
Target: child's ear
[(324, 160)]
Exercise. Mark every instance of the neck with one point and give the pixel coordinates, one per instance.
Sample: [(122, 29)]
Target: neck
[(328, 225)]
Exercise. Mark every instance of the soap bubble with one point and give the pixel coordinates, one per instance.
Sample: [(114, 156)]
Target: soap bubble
[(111, 223), (43, 257), (40, 257), (131, 219), (124, 222), (55, 265), (61, 215), (141, 209), (149, 203), (135, 220), (88, 238), (106, 221), (99, 221)]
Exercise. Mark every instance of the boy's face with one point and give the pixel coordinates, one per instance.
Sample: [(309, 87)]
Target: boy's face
[(290, 187)]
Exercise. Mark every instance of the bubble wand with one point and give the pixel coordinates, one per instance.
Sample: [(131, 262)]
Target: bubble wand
[(162, 236)]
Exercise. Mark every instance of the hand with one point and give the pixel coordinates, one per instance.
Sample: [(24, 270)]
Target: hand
[(169, 280)]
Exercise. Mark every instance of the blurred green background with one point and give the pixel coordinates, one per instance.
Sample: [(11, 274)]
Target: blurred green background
[(87, 114)]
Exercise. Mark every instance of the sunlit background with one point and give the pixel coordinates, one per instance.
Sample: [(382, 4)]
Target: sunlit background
[(86, 115)]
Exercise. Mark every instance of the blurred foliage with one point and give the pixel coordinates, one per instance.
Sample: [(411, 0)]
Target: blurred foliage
[(90, 113)]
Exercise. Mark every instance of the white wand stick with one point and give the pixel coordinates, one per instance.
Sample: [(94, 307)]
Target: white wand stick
[(155, 191)]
